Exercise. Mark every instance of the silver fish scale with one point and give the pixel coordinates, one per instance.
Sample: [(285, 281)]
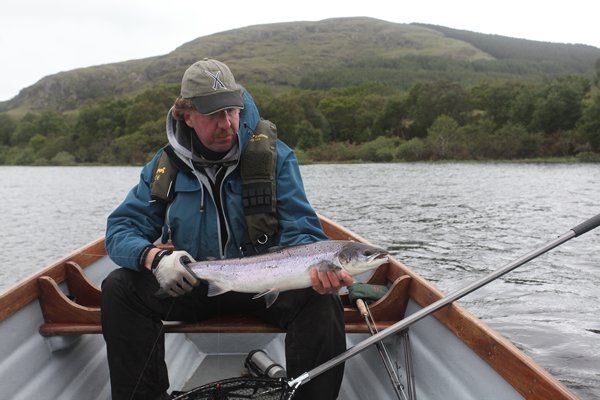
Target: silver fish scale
[(284, 269)]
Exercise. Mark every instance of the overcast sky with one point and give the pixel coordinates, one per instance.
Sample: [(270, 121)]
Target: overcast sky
[(41, 37)]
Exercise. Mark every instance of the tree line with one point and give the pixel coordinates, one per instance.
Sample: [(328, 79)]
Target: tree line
[(432, 120)]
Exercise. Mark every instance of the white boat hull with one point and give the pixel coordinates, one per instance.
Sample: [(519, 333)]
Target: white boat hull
[(67, 367)]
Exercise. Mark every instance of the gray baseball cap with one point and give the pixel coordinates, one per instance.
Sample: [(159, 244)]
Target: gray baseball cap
[(210, 85)]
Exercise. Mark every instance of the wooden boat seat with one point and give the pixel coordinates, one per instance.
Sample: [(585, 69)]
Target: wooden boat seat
[(79, 312)]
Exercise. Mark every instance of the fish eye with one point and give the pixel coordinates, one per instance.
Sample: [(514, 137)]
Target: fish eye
[(369, 252)]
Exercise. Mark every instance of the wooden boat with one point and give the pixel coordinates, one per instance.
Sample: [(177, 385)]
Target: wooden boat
[(51, 346)]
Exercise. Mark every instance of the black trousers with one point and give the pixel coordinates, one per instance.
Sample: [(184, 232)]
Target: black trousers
[(131, 325)]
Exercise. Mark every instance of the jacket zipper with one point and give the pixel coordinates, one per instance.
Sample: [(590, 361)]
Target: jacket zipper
[(230, 169)]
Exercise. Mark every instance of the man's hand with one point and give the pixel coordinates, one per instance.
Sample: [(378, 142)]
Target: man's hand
[(172, 276), (324, 282)]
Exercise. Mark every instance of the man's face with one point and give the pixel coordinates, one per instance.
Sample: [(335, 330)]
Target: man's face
[(218, 131)]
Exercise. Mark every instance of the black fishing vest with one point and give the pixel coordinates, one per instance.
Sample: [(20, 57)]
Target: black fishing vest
[(259, 192)]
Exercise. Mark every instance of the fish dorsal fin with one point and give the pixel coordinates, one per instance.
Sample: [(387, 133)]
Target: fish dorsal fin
[(214, 289), (269, 295)]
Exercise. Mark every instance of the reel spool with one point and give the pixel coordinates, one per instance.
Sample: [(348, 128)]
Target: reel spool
[(259, 364)]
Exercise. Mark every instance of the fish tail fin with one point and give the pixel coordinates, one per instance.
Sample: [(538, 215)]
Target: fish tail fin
[(269, 295)]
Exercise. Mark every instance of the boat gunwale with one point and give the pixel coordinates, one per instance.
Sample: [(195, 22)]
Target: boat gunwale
[(27, 290), (496, 350)]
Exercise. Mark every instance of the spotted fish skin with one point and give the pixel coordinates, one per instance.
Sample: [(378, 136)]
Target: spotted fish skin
[(286, 268)]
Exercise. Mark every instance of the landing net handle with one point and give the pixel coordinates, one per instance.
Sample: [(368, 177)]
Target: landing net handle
[(243, 388)]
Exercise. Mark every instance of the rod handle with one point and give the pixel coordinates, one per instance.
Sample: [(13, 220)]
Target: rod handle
[(362, 308), (587, 225)]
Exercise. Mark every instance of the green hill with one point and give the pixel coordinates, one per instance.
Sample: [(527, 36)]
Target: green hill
[(554, 57), (318, 55)]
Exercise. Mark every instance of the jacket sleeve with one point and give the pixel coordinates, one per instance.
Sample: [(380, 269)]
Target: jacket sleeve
[(298, 221), (135, 223)]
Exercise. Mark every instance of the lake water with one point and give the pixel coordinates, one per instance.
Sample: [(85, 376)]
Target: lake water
[(452, 223)]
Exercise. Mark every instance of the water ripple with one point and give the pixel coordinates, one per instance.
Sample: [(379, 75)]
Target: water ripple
[(451, 223)]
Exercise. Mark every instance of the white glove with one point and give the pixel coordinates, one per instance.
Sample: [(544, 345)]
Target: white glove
[(173, 277)]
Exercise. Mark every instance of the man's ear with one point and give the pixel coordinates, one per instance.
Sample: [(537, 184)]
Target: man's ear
[(187, 118)]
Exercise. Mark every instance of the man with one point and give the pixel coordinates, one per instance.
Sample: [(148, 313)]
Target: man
[(208, 128)]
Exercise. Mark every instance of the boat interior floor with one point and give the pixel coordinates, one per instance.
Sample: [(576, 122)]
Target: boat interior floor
[(215, 367)]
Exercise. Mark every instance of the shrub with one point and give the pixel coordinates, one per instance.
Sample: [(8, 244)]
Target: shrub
[(589, 157), (302, 157), (336, 151), (589, 125), (446, 140), (7, 127), (412, 150), (381, 149), (4, 154), (513, 141), (63, 158), (308, 136), (387, 154), (37, 142), (23, 156)]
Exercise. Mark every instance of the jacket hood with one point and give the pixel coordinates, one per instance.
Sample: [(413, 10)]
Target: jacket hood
[(180, 136)]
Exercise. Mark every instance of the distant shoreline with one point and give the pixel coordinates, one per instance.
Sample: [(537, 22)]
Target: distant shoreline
[(548, 160)]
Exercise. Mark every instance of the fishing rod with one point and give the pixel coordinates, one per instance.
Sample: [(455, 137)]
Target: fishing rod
[(364, 310), (579, 230)]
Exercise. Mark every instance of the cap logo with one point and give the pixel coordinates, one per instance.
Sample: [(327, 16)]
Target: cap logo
[(217, 82)]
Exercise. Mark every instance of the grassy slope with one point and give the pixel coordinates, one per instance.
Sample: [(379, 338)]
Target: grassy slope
[(573, 58), (327, 53), (280, 54)]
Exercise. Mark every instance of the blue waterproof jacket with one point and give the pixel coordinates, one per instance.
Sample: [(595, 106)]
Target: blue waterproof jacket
[(192, 218)]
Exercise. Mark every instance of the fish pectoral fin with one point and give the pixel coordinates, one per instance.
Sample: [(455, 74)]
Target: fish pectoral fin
[(269, 295), (325, 266), (214, 289)]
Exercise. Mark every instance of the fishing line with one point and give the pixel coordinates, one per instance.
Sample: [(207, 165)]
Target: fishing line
[(160, 332)]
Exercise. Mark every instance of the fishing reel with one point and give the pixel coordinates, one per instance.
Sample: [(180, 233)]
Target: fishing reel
[(259, 364)]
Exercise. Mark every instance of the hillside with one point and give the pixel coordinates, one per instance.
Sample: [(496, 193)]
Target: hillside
[(319, 55), (556, 57)]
